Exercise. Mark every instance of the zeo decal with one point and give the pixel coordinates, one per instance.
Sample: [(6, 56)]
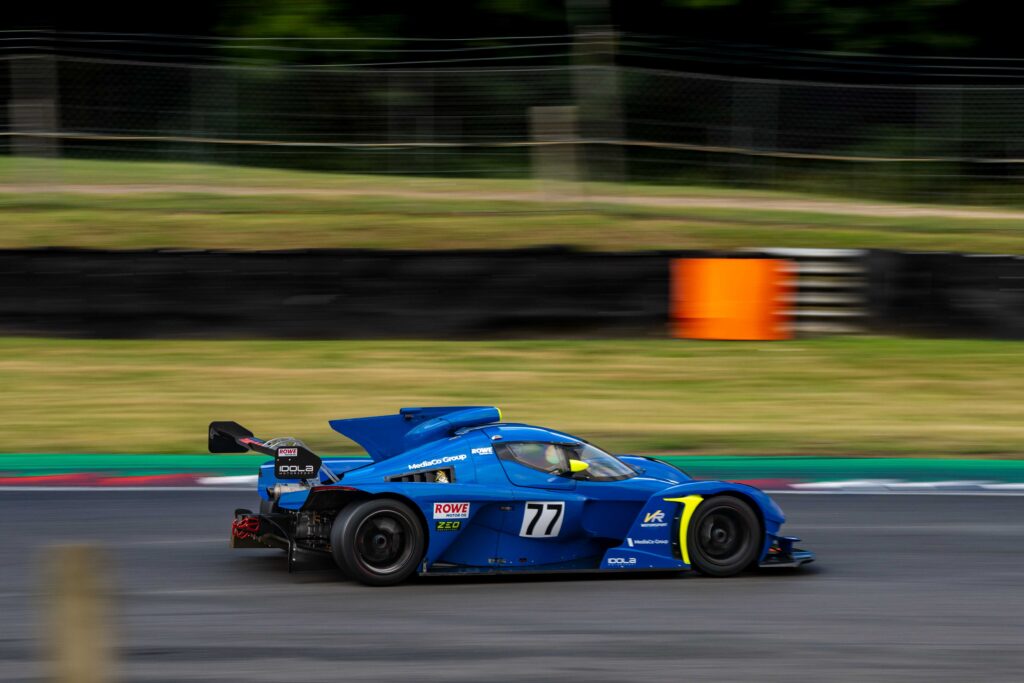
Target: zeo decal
[(542, 519), (448, 525)]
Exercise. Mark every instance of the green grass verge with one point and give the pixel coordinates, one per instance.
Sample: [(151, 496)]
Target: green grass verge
[(122, 205), (863, 396)]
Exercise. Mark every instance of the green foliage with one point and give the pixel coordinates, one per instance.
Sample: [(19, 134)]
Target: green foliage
[(841, 25)]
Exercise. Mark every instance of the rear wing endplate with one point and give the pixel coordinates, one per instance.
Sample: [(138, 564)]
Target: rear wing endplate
[(290, 461)]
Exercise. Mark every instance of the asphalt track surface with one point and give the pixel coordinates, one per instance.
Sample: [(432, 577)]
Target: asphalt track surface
[(907, 587)]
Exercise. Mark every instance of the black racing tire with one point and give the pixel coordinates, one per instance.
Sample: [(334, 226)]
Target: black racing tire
[(379, 542), (724, 537)]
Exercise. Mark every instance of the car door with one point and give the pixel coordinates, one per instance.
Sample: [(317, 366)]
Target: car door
[(614, 491), (543, 523)]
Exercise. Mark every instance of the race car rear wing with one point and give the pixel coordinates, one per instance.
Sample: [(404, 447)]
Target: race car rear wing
[(291, 460)]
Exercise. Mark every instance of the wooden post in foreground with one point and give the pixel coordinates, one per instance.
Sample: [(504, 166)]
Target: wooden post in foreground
[(77, 636)]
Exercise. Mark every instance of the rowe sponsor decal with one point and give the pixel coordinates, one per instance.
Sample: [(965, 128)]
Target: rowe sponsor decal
[(654, 519), (487, 450), (287, 452), (437, 461), (451, 510), (448, 525)]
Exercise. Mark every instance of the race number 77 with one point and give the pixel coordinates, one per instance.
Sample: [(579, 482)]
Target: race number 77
[(542, 519)]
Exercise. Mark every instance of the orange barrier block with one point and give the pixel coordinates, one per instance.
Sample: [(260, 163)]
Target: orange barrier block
[(723, 298)]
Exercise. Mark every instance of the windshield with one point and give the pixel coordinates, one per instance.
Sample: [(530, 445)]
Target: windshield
[(601, 466), (554, 459)]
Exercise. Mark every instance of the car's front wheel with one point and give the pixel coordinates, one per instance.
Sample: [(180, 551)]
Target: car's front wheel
[(724, 536), (379, 542)]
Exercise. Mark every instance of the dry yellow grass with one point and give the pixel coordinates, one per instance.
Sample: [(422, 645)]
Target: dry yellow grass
[(841, 396), (131, 205)]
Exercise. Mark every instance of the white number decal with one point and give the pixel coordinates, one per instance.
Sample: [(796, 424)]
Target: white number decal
[(542, 520)]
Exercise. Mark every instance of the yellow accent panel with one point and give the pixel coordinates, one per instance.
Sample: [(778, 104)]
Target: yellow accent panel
[(690, 504)]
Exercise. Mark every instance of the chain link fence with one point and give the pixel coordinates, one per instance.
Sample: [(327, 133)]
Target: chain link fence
[(939, 143)]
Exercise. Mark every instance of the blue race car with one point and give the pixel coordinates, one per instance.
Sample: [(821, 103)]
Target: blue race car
[(454, 490)]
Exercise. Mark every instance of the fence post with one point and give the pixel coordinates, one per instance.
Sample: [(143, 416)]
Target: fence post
[(596, 93), (555, 159), (755, 126), (78, 634), (33, 105)]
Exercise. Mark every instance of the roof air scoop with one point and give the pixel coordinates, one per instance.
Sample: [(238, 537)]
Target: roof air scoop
[(386, 436), (440, 427)]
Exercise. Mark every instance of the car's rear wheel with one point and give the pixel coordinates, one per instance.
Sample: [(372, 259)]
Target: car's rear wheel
[(724, 536), (379, 542)]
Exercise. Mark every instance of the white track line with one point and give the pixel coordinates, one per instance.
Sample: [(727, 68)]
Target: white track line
[(894, 485), (847, 485), (242, 479)]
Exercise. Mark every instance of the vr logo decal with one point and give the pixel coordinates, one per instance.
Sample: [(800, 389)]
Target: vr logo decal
[(654, 519), (656, 516)]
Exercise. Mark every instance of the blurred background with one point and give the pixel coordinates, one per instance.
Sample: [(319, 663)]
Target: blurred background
[(776, 241)]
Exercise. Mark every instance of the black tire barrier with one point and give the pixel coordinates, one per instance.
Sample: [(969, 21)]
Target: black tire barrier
[(946, 294), (331, 294), (460, 294)]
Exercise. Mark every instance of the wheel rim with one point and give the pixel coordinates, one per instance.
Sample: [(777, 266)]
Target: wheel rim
[(384, 541), (723, 536)]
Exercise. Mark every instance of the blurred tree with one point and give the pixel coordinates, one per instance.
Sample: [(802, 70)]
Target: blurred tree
[(288, 18), (946, 27), (841, 25)]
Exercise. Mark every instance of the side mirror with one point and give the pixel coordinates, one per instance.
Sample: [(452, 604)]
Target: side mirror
[(577, 466)]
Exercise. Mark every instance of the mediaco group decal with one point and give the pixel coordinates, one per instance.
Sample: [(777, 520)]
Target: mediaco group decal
[(646, 541), (437, 461), (451, 510)]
